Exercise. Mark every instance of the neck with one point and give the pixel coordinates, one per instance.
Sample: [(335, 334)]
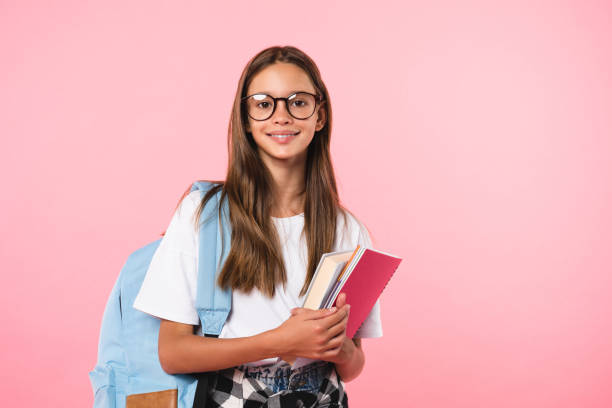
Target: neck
[(287, 186)]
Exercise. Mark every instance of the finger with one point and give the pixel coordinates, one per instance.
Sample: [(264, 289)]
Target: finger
[(310, 314), (299, 310), (341, 300), (327, 355), (338, 328), (333, 319), (336, 341)]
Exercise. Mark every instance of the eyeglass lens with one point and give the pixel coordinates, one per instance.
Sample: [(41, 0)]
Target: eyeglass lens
[(301, 106)]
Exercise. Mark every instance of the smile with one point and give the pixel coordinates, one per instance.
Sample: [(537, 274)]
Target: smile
[(283, 137)]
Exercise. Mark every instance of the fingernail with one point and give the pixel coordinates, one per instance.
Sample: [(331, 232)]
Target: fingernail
[(333, 309)]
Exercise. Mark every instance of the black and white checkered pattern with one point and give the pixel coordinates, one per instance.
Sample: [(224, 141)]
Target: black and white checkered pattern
[(231, 389)]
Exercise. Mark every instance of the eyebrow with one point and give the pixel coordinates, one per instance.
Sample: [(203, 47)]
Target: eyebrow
[(290, 93)]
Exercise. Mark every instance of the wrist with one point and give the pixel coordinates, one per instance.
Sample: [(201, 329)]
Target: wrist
[(347, 353), (273, 343), (350, 368)]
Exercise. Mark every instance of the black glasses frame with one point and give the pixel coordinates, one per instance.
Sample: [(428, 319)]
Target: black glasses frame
[(318, 100)]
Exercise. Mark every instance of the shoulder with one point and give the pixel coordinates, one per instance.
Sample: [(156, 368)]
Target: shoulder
[(194, 196), (180, 233), (190, 201), (351, 231), (188, 206)]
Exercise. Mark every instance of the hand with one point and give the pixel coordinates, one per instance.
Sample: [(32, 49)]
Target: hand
[(345, 352), (316, 334)]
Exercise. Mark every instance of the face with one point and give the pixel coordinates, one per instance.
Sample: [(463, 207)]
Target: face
[(281, 80)]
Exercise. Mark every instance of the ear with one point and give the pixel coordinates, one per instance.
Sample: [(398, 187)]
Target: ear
[(321, 117)]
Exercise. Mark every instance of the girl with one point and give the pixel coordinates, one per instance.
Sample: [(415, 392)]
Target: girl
[(284, 214)]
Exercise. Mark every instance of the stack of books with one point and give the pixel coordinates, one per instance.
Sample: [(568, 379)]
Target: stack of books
[(361, 274)]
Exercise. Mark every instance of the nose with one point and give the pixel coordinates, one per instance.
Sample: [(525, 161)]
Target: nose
[(281, 114)]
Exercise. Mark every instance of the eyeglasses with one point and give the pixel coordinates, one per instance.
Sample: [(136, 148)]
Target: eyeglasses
[(300, 105)]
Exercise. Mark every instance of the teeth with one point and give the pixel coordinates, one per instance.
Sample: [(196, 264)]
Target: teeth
[(285, 135)]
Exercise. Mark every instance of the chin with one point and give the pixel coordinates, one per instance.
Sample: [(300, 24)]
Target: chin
[(285, 156)]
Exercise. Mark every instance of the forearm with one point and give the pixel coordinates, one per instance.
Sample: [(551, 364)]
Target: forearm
[(189, 353), (353, 362)]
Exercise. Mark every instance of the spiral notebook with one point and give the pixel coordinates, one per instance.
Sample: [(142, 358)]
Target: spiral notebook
[(361, 274)]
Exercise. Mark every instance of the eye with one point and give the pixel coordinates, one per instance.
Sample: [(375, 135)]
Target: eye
[(300, 103), (263, 105)]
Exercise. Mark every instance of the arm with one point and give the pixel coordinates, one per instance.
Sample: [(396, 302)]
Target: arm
[(351, 360), (310, 334), (346, 353), (181, 351)]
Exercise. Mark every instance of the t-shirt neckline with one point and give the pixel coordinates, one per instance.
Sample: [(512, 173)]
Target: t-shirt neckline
[(289, 219)]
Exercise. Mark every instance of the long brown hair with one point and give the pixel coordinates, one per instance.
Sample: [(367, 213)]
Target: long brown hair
[(255, 259)]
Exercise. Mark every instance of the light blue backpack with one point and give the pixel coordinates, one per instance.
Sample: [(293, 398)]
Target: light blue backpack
[(128, 362)]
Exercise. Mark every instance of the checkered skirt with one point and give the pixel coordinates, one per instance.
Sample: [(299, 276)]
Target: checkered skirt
[(233, 388)]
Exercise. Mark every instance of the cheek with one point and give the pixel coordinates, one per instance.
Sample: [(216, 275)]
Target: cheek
[(258, 134), (256, 127), (312, 126)]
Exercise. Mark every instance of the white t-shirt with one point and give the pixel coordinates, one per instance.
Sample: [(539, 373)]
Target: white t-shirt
[(169, 287)]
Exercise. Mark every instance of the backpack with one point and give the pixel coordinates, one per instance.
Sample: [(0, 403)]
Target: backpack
[(128, 366)]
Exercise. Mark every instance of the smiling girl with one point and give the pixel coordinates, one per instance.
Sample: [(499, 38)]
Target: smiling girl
[(285, 213)]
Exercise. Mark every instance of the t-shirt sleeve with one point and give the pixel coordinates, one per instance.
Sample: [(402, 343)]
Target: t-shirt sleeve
[(372, 325), (170, 284)]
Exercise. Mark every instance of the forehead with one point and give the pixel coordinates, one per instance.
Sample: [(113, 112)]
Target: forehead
[(280, 79)]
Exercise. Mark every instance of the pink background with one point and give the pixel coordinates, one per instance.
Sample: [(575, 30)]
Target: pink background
[(473, 139)]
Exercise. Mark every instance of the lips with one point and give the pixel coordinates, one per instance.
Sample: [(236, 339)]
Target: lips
[(283, 137), (283, 133)]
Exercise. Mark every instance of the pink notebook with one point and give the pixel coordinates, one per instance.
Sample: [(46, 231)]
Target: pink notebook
[(365, 277)]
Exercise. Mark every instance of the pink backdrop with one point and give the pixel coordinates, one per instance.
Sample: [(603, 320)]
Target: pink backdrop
[(474, 140)]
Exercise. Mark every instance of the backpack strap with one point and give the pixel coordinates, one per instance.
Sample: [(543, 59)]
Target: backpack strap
[(212, 303), (201, 393)]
